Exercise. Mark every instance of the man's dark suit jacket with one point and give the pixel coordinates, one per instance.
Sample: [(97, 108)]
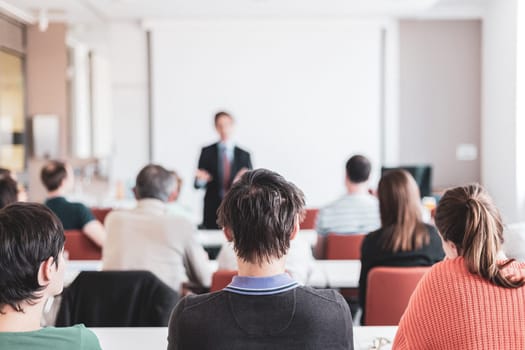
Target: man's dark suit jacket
[(209, 161)]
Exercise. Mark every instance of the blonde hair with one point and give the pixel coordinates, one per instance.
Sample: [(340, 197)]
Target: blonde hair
[(467, 217), (399, 205)]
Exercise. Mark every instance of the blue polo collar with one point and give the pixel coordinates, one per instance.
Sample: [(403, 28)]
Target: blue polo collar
[(261, 285)]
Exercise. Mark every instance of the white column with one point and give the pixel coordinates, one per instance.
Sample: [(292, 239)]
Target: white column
[(500, 162)]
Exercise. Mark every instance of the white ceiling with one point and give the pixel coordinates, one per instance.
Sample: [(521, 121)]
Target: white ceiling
[(87, 11)]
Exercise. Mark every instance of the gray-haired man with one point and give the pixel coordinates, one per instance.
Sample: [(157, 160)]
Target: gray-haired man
[(150, 238)]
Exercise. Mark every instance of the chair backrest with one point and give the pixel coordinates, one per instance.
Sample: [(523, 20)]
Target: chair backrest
[(101, 213), (309, 220), (388, 292), (221, 279), (117, 299), (80, 247), (341, 247)]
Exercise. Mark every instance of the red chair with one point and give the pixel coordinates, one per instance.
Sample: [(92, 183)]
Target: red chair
[(388, 292), (101, 213), (309, 220), (80, 247), (344, 247), (221, 279)]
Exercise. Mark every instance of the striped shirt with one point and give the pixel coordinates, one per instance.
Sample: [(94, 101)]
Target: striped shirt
[(352, 213), (261, 285)]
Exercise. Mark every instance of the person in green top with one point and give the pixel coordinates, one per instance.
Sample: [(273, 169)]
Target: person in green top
[(58, 179), (31, 271)]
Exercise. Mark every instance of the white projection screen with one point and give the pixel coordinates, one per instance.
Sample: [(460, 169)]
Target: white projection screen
[(305, 95)]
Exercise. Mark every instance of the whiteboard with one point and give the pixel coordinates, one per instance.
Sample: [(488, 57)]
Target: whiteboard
[(305, 95)]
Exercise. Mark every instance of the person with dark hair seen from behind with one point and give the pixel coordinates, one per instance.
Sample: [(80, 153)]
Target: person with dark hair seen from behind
[(403, 239), (31, 271), (8, 191), (58, 179), (220, 164), (356, 212), (5, 173), (21, 191), (150, 237), (475, 299), (263, 307)]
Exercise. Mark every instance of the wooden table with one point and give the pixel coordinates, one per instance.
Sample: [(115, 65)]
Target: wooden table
[(156, 338)]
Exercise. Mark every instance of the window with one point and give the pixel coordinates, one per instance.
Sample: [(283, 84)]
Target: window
[(12, 116)]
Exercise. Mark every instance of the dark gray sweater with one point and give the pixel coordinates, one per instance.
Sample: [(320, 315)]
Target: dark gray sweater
[(301, 318)]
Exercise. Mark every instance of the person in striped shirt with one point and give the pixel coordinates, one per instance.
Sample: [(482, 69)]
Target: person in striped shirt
[(357, 211)]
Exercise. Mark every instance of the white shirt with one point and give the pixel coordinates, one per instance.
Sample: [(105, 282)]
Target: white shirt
[(150, 238), (229, 147)]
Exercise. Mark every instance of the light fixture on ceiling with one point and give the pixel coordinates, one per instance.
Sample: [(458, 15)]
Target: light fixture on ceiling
[(43, 20)]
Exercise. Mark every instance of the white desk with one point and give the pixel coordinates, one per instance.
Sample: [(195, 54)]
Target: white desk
[(326, 273), (156, 338), (216, 238), (340, 273)]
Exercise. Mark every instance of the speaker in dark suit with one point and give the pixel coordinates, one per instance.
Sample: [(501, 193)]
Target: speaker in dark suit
[(219, 165)]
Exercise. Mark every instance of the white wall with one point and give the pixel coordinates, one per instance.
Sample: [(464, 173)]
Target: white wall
[(520, 110), (499, 123), (440, 105), (306, 95), (129, 90)]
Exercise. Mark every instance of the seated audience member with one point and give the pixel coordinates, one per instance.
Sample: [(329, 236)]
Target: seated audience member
[(21, 191), (31, 271), (403, 239), (263, 307), (475, 299), (58, 178), (150, 238), (357, 211), (8, 191), (5, 173)]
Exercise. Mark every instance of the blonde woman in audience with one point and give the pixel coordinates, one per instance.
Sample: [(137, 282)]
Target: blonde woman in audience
[(403, 239), (475, 299)]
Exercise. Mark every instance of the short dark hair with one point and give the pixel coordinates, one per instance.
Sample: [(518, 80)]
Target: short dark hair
[(5, 173), (29, 234), (52, 174), (154, 181), (8, 191), (222, 114), (358, 169), (261, 209)]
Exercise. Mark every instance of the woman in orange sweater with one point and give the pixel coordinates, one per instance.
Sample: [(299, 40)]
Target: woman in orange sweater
[(475, 299)]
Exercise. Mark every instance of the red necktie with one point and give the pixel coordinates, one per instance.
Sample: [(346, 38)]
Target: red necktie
[(226, 170)]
